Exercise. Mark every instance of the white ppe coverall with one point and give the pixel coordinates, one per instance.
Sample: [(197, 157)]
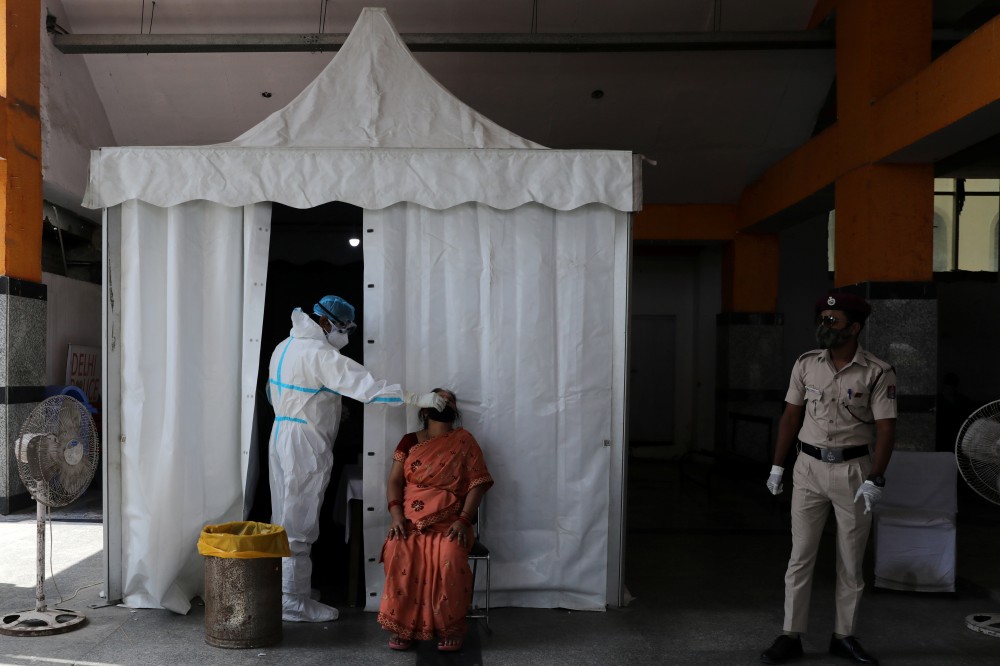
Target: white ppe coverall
[(306, 378)]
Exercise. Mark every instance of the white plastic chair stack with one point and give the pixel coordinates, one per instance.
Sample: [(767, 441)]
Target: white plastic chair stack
[(915, 523)]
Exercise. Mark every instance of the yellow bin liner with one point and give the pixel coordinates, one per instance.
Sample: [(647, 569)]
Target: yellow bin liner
[(244, 540)]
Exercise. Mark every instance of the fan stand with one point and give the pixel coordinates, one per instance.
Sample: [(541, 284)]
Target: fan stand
[(977, 451), (984, 623), (41, 621)]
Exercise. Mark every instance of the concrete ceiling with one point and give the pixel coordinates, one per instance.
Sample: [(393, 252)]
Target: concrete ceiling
[(713, 121)]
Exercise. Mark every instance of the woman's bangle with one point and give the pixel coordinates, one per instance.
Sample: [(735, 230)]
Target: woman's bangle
[(465, 513), (395, 503), (465, 520)]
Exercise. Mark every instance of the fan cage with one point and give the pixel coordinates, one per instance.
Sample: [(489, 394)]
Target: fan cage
[(979, 457), (58, 451)]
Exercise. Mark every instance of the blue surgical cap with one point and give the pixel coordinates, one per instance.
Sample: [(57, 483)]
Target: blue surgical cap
[(335, 309)]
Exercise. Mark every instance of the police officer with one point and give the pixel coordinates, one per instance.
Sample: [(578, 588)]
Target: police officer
[(840, 414)]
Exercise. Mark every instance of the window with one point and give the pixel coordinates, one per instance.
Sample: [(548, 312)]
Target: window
[(977, 204), (966, 225)]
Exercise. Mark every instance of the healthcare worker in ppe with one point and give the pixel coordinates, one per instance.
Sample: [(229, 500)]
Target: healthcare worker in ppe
[(307, 376)]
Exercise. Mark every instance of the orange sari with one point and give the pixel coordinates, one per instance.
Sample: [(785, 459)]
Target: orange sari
[(428, 582)]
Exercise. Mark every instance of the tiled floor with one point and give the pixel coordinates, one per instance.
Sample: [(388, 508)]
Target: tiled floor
[(705, 560)]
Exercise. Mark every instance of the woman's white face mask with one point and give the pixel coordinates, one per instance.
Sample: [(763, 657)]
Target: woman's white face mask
[(337, 339)]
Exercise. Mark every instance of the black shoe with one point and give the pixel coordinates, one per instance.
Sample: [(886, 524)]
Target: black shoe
[(783, 649), (850, 648)]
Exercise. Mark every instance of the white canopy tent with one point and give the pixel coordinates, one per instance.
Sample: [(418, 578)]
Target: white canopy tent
[(493, 266)]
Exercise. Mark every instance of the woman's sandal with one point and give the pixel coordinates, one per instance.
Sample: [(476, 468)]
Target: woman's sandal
[(397, 643), (449, 644)]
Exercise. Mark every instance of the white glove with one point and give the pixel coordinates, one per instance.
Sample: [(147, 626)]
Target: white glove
[(774, 481), (432, 400), (871, 493)]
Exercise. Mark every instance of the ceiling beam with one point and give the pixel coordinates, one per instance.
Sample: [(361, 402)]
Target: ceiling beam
[(456, 42), (469, 42), (659, 222), (957, 87)]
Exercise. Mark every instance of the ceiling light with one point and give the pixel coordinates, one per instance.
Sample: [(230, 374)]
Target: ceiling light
[(354, 242)]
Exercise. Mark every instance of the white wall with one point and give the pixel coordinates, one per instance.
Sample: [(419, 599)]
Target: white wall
[(74, 317), (685, 283), (73, 120)]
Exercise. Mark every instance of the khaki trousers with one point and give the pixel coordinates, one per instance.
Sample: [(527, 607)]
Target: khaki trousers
[(819, 486)]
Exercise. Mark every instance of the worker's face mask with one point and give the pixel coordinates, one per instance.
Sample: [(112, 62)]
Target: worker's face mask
[(828, 338), (337, 339)]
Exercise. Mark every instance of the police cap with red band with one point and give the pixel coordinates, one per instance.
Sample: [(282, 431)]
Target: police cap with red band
[(853, 306)]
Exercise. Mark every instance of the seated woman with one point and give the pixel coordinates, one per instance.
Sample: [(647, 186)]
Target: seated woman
[(437, 480)]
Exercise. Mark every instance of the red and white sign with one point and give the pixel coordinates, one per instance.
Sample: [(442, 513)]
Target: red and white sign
[(83, 369)]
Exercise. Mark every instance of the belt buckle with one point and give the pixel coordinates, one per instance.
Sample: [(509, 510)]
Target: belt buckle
[(833, 455)]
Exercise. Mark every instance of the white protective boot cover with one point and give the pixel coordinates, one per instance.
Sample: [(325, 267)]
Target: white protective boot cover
[(298, 608)]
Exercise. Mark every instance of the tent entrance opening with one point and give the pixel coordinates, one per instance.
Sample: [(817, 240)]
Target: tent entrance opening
[(311, 256)]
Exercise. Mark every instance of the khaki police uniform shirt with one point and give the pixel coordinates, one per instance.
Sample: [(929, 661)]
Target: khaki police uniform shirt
[(842, 407)]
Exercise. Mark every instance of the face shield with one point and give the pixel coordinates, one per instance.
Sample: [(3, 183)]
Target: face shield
[(345, 327)]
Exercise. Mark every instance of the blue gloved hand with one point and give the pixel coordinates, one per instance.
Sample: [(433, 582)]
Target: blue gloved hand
[(871, 493), (774, 481)]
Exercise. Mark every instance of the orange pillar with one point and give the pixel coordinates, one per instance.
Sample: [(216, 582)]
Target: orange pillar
[(22, 351), (20, 140), (750, 274), (884, 229), (885, 224)]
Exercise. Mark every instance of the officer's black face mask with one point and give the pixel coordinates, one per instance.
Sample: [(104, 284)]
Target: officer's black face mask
[(828, 338)]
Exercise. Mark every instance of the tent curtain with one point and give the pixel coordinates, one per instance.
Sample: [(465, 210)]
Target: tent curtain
[(192, 275), (513, 310)]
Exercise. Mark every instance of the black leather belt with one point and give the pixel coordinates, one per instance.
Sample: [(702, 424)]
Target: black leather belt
[(833, 455)]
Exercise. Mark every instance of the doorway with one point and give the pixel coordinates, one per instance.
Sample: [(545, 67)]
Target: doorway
[(310, 256), (651, 383)]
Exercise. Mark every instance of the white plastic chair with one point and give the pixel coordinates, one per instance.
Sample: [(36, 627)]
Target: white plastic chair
[(915, 523)]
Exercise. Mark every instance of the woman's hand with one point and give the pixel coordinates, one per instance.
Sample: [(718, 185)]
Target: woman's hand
[(400, 528), (461, 531)]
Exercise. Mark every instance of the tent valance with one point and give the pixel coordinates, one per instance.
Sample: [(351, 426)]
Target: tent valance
[(372, 178)]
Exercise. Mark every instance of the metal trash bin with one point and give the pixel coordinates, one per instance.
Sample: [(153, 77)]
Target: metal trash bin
[(243, 583)]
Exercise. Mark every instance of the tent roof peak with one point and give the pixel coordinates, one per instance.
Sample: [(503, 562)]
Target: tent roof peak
[(373, 130), (374, 94)]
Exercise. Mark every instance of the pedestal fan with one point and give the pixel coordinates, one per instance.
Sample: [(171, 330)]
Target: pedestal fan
[(56, 454), (977, 449)]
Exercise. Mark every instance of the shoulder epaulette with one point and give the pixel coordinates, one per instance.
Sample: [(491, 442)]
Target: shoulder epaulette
[(811, 352), (877, 361)]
